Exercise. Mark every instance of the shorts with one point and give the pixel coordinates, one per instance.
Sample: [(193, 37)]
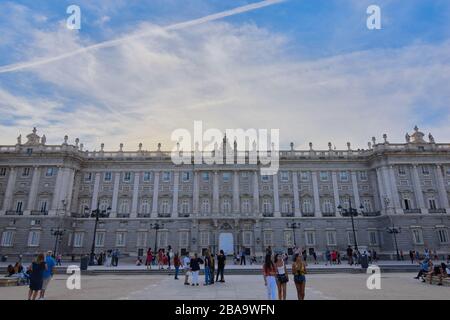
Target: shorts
[(299, 278), (45, 283)]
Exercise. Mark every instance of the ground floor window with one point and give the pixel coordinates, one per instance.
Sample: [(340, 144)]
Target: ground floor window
[(7, 238), (443, 236), (417, 236)]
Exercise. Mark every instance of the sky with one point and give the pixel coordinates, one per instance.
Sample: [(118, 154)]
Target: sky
[(310, 68)]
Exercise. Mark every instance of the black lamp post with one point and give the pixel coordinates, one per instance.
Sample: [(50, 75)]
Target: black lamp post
[(294, 226), (57, 233), (352, 212), (97, 214), (156, 227), (394, 230)]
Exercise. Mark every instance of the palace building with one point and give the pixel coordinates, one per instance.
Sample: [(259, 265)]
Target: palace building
[(144, 200)]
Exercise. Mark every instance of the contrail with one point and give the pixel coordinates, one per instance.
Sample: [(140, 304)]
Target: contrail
[(111, 43)]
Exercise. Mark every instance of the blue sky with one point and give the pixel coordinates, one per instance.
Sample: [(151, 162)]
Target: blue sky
[(310, 68)]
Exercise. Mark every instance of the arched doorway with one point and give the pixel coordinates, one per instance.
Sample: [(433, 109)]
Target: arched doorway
[(226, 242)]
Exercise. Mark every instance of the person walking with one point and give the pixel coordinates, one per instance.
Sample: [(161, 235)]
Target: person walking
[(186, 263), (58, 259), (108, 262), (350, 255), (207, 269), (282, 277), (411, 256), (37, 269), (160, 259), (299, 271), (269, 273), (221, 260), (169, 256), (213, 267), (305, 255), (195, 268), (243, 257), (327, 257), (176, 264), (149, 259), (48, 273)]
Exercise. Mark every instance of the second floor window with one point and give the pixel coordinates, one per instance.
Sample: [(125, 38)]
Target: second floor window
[(284, 176), (49, 172), (186, 176), (401, 170), (108, 176), (246, 206), (267, 206), (343, 176), (127, 176), (166, 176), (323, 176), (165, 206), (26, 172), (147, 176), (185, 206), (88, 177), (2, 172), (226, 207), (425, 170)]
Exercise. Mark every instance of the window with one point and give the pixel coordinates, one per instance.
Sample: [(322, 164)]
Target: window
[(343, 176), (147, 176), (43, 205), (267, 206), (33, 238), (88, 177), (351, 238), (145, 206), (247, 238), (226, 207), (310, 238), (184, 239), (162, 239), (186, 176), (141, 241), (166, 176), (99, 239), (363, 175), (244, 174), (443, 236), (331, 238), (307, 207), (417, 236), (7, 238), (373, 238), (245, 206), (78, 239), (124, 206), (205, 176), (120, 239), (107, 177), (2, 172), (289, 239), (264, 178), (268, 238), (401, 171), (19, 206), (284, 176), (425, 170), (83, 205), (226, 176), (204, 239), (304, 176), (25, 172), (127, 176), (432, 204), (286, 206), (327, 206), (205, 206), (407, 204), (323, 176), (185, 207), (367, 205), (165, 206), (49, 172)]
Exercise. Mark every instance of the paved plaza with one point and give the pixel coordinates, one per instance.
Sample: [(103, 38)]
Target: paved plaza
[(164, 287)]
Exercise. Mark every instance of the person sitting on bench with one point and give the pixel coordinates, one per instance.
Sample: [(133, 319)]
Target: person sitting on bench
[(439, 271)]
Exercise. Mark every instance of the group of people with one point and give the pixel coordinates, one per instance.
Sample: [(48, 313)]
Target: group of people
[(414, 255), (162, 258), (276, 276), (428, 270), (192, 265)]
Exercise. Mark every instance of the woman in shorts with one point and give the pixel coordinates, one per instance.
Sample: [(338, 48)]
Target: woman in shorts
[(299, 271)]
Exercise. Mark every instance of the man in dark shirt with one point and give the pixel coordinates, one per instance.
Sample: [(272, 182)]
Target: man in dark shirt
[(221, 258), (350, 255), (195, 268)]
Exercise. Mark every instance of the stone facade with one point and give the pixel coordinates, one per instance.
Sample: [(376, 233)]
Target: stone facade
[(46, 187)]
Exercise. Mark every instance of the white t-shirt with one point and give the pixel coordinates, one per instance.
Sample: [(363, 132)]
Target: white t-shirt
[(186, 262)]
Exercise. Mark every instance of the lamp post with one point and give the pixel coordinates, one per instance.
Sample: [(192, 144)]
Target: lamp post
[(97, 214), (294, 226), (352, 212), (394, 230), (156, 227), (57, 233)]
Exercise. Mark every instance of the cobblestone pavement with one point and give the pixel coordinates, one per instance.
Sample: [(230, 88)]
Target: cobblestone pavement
[(164, 287)]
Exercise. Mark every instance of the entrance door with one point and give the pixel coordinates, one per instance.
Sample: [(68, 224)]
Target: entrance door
[(226, 243)]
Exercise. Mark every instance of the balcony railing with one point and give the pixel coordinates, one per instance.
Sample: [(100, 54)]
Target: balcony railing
[(307, 214), (267, 214), (164, 215), (328, 214), (287, 214), (123, 215), (14, 213), (371, 214), (412, 211), (39, 213), (143, 215), (441, 210)]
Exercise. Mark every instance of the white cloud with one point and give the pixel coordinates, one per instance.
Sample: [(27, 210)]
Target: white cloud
[(231, 77)]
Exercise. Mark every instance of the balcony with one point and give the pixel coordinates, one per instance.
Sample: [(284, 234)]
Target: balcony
[(412, 211), (287, 214), (183, 215), (14, 213), (268, 214), (328, 214), (143, 215), (163, 215), (442, 210), (307, 214), (371, 214), (123, 215), (39, 213)]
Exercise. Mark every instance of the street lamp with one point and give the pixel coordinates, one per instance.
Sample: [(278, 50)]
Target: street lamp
[(352, 212), (57, 233), (156, 227), (294, 226), (97, 214), (394, 230)]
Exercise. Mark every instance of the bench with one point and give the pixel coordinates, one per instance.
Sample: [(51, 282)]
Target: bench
[(9, 282), (435, 280)]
